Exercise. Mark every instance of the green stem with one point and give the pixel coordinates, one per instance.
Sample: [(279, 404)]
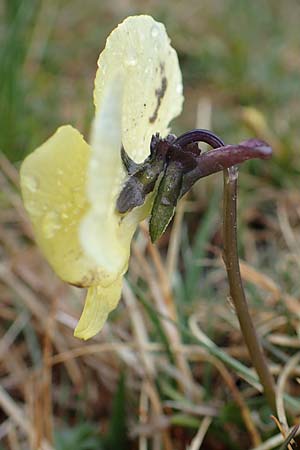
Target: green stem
[(237, 293)]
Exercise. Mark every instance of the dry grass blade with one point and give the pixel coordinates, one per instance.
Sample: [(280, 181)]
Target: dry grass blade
[(198, 439), (40, 391), (281, 383), (14, 411), (142, 339), (194, 409), (263, 281), (9, 170), (139, 328), (32, 302), (166, 308), (284, 341), (274, 441), (11, 334), (287, 231), (174, 242), (143, 416), (245, 412), (16, 202), (290, 439), (12, 438), (19, 417)]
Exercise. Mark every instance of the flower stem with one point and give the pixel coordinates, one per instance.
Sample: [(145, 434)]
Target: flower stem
[(223, 157), (226, 158), (237, 292)]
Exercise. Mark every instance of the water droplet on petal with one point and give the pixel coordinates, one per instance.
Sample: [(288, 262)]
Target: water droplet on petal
[(179, 88), (33, 208), (154, 31), (31, 183), (94, 164), (51, 224), (131, 59), (78, 196)]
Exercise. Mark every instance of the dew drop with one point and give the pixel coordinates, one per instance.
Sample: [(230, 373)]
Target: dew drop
[(31, 183), (154, 31), (94, 164), (32, 208), (156, 45), (131, 59), (78, 196), (179, 88), (51, 224)]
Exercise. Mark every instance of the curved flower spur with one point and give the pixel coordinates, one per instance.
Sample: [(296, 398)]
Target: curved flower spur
[(86, 200)]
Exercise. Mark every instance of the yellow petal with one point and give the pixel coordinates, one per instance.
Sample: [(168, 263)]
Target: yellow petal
[(100, 301), (100, 229), (53, 180), (138, 90), (140, 49)]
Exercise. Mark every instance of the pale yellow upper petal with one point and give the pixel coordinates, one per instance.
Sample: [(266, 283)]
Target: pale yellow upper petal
[(100, 301), (100, 229), (140, 49), (53, 184), (138, 90)]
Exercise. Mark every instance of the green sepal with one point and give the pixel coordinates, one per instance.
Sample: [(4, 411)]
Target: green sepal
[(166, 199), (138, 185), (143, 176)]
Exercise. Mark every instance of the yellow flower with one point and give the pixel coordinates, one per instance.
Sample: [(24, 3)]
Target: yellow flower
[(70, 187)]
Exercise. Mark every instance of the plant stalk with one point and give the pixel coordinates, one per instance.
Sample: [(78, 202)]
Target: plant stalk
[(236, 289), (226, 158)]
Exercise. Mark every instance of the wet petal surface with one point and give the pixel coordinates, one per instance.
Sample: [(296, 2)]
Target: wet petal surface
[(100, 232), (138, 90), (53, 180), (140, 49)]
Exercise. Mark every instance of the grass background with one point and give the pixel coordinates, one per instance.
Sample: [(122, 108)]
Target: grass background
[(154, 379)]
